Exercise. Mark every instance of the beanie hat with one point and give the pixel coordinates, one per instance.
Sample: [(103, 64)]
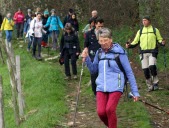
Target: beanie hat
[(53, 10), (46, 12), (29, 10), (147, 18)]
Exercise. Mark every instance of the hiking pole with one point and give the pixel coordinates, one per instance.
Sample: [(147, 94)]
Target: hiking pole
[(146, 103), (77, 96)]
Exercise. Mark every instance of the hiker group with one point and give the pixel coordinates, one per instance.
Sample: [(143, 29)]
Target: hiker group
[(106, 60)]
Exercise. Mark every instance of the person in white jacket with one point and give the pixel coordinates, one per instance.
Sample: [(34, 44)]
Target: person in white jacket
[(35, 32)]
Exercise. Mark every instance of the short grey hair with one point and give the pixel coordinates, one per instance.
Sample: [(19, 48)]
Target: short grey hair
[(105, 33), (95, 11), (8, 14)]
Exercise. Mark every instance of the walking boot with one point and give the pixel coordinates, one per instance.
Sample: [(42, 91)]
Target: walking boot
[(39, 57), (149, 84), (75, 77), (67, 78)]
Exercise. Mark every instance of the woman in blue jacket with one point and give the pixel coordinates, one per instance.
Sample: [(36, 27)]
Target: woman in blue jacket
[(54, 23), (110, 81)]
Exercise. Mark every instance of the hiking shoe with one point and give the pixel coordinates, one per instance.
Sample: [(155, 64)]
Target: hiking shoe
[(155, 87), (28, 50), (67, 78), (75, 77), (34, 56), (53, 49), (39, 58), (150, 88)]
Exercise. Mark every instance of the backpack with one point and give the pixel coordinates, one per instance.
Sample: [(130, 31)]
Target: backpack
[(56, 19), (117, 59)]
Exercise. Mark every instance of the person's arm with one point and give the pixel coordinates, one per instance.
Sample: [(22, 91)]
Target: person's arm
[(158, 35), (3, 23), (93, 67), (48, 22), (77, 43), (15, 17), (86, 43), (31, 29), (25, 27), (129, 73), (135, 41), (60, 22), (12, 23)]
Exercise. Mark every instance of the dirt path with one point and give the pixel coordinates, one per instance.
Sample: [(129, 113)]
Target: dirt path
[(87, 116)]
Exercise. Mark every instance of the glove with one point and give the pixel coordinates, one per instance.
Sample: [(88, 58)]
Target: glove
[(48, 32), (61, 61), (33, 34)]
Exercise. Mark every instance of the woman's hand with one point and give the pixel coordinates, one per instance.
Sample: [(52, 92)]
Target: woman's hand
[(84, 54), (77, 53), (135, 98)]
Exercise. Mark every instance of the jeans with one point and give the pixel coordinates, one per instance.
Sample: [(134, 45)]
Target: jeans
[(37, 41), (31, 38), (8, 35)]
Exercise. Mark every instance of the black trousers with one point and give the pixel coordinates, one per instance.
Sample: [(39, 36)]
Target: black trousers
[(19, 28), (73, 59), (37, 41), (93, 77), (93, 82)]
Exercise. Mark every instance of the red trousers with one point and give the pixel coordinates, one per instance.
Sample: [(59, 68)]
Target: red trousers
[(106, 107)]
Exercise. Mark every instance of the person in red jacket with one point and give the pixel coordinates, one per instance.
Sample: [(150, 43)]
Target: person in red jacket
[(19, 22)]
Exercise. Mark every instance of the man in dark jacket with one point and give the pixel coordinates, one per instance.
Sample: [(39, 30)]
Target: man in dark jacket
[(68, 16), (91, 42), (1, 19)]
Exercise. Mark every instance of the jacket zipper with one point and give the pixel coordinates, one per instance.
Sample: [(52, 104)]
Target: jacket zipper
[(105, 75), (147, 38), (119, 80)]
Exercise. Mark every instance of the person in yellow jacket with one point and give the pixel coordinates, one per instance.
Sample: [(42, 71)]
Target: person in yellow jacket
[(148, 38), (7, 26)]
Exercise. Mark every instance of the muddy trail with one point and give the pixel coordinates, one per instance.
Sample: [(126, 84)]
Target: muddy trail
[(86, 113), (159, 119), (86, 116)]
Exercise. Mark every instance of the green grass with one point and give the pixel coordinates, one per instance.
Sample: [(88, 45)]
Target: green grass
[(44, 91)]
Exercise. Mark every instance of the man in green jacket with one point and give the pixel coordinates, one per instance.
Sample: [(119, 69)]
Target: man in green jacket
[(148, 38)]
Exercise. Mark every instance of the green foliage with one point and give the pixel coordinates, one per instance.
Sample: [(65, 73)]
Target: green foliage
[(44, 91)]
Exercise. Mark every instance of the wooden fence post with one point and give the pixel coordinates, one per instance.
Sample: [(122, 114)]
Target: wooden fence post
[(1, 55), (14, 92), (19, 88), (2, 124)]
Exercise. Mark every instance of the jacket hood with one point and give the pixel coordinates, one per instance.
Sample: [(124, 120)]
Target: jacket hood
[(116, 48), (35, 18)]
